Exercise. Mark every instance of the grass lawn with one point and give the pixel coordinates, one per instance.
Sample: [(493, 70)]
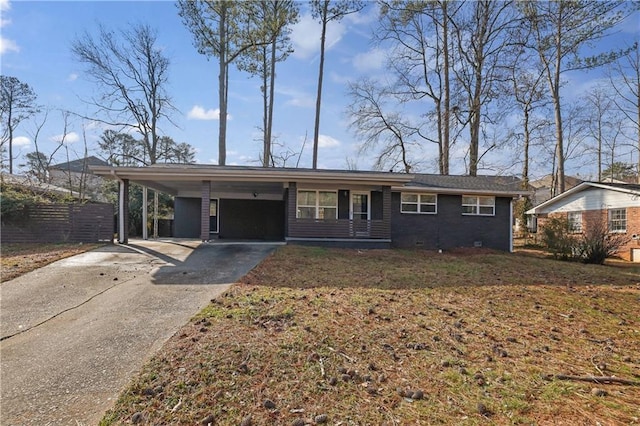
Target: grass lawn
[(18, 259), (390, 337)]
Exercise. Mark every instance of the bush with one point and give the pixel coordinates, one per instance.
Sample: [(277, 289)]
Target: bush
[(556, 238), (16, 200), (597, 243), (593, 246)]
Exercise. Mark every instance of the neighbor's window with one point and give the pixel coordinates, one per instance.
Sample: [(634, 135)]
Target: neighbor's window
[(618, 220), (478, 205), (418, 203), (317, 204), (574, 220)]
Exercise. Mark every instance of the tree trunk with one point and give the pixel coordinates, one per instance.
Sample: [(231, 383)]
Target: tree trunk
[(266, 141), (222, 89), (316, 128), (527, 140), (444, 170), (271, 95)]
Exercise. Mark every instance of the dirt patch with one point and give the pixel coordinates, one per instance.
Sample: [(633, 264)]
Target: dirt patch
[(18, 259), (401, 338)]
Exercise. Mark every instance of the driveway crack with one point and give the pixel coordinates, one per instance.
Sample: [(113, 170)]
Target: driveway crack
[(65, 310)]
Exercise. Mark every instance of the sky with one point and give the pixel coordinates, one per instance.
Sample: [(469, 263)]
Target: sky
[(35, 47)]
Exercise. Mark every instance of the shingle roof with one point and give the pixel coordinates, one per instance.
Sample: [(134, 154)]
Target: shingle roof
[(80, 165), (490, 184)]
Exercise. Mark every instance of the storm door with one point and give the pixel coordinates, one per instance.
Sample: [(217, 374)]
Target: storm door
[(360, 213)]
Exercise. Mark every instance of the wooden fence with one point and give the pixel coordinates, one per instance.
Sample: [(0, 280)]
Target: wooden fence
[(62, 223)]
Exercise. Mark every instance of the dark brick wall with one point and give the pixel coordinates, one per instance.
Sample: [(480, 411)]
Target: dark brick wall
[(449, 228), (186, 217)]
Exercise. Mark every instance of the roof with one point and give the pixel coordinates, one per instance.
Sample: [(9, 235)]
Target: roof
[(178, 179), (33, 184), (547, 181), (80, 165), (628, 188), (507, 185)]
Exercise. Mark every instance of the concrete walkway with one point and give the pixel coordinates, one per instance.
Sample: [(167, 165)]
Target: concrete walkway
[(74, 332)]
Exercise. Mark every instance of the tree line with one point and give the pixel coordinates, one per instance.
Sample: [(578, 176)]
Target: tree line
[(477, 77)]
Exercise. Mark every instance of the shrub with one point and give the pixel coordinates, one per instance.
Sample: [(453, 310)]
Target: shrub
[(597, 243), (556, 238)]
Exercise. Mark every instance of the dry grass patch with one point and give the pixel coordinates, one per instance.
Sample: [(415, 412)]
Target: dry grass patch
[(18, 259), (396, 338)]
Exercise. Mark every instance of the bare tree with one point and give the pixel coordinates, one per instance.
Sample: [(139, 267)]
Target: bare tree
[(327, 11), (17, 103), (277, 16), (224, 29), (625, 80), (131, 73), (381, 127), (421, 62), (559, 30), (482, 36), (598, 121), (526, 87)]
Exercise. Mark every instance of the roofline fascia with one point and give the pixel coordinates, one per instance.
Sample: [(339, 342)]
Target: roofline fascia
[(247, 175), (581, 186), (458, 191)]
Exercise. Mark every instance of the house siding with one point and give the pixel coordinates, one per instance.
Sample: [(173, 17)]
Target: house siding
[(449, 228), (593, 199)]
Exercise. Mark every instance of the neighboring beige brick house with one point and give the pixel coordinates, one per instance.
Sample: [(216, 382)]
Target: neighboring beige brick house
[(616, 204)]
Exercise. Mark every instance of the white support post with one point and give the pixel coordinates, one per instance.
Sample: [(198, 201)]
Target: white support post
[(121, 213), (145, 213)]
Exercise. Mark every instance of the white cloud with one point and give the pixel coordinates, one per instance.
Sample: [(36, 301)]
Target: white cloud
[(368, 15), (5, 5), (371, 60), (297, 97), (7, 45), (72, 77), (4, 22), (305, 36), (70, 137), (199, 113), (325, 141), (21, 141)]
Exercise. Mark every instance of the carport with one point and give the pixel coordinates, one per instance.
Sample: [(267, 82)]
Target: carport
[(343, 207)]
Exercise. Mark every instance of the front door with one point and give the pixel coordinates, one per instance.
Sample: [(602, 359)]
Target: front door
[(360, 213)]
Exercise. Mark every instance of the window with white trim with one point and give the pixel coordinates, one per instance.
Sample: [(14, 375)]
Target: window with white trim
[(418, 203), (478, 205), (618, 220), (574, 220), (317, 204)]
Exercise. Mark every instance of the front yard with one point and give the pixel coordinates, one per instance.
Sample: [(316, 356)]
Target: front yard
[(349, 337)]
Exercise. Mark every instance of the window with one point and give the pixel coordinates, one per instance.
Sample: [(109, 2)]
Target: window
[(574, 220), (418, 203), (617, 220), (317, 205), (481, 206)]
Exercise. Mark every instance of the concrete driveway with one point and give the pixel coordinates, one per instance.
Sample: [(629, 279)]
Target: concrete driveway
[(74, 332)]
